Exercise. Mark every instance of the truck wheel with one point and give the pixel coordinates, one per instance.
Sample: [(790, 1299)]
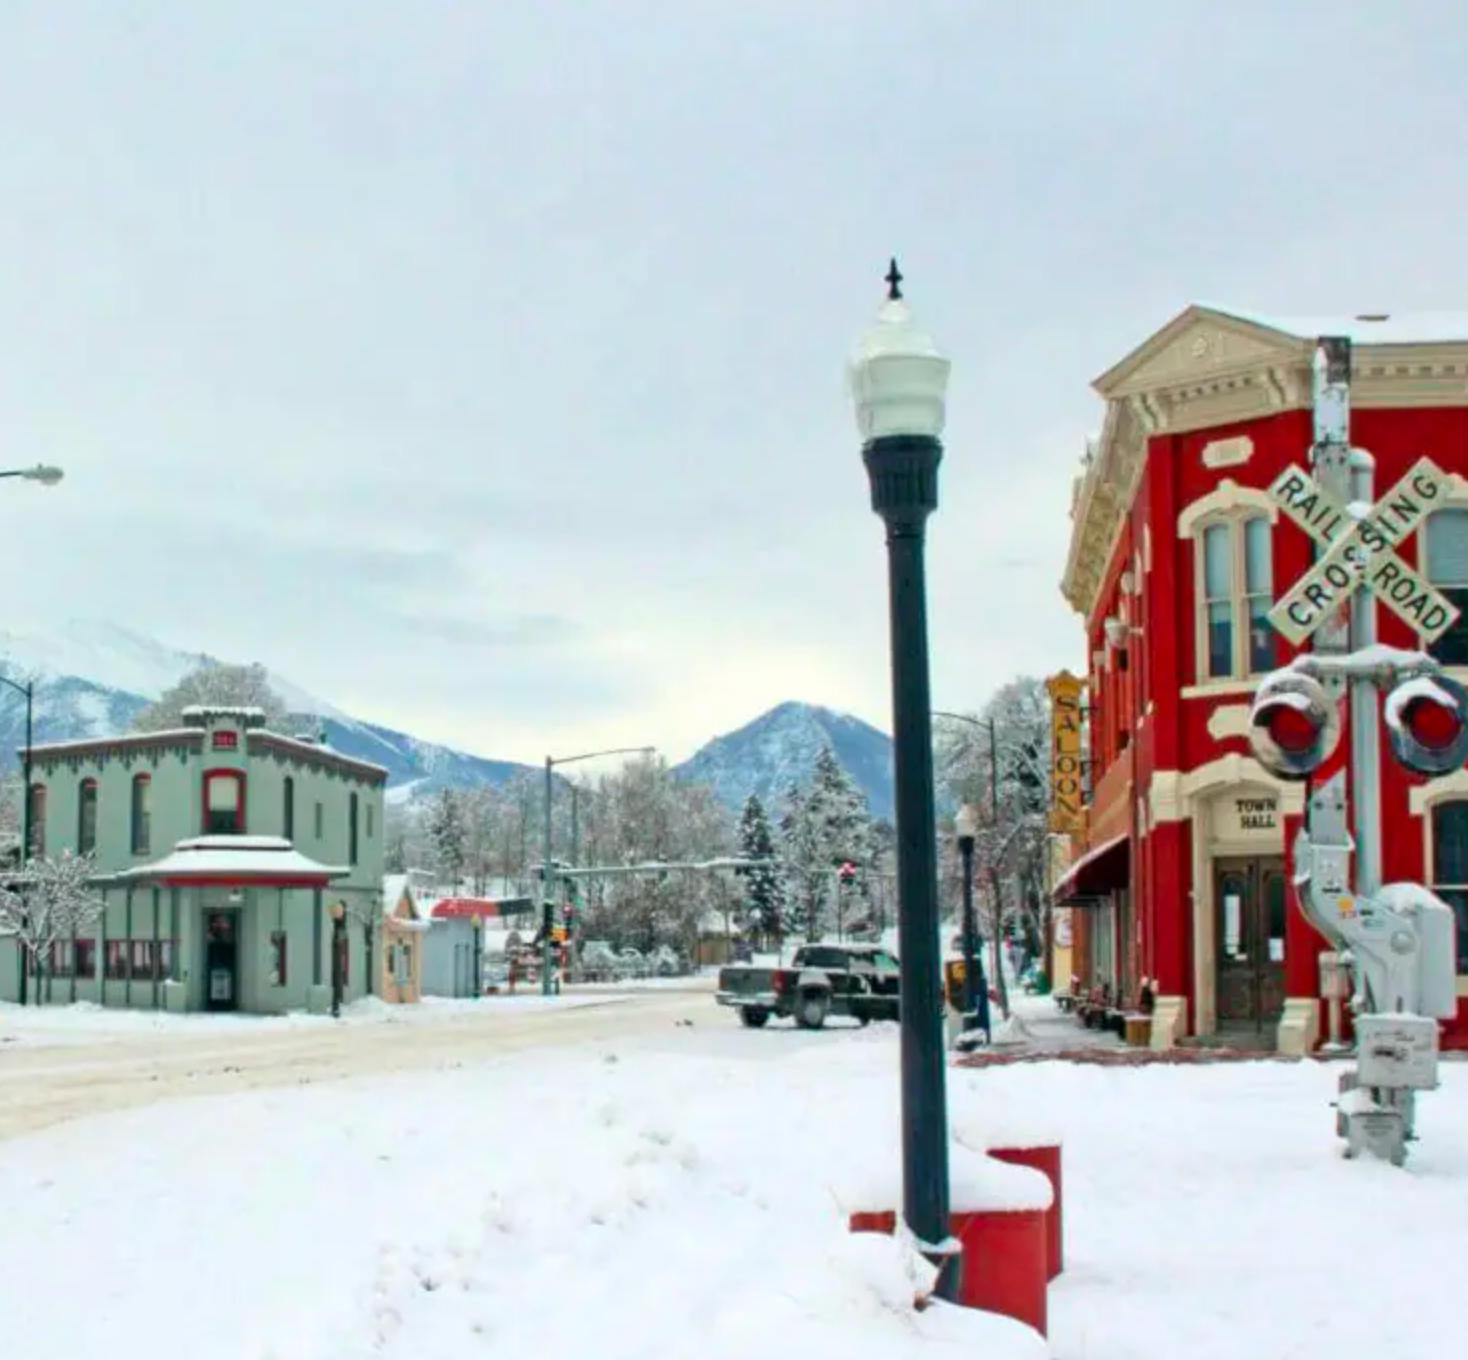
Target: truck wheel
[(811, 1012), (753, 1017), (864, 1018)]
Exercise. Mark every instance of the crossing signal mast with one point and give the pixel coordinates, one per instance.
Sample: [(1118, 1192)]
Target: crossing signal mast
[(1397, 942)]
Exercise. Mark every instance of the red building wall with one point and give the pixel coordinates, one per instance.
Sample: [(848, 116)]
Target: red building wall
[(1139, 714)]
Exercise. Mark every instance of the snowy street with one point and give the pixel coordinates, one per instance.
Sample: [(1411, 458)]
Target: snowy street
[(65, 1062), (615, 1174)]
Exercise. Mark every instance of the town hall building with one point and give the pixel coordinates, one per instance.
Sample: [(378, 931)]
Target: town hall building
[(1181, 886), (229, 858)]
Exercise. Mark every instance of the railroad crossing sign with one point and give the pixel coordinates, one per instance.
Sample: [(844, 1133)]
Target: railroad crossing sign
[(1360, 543)]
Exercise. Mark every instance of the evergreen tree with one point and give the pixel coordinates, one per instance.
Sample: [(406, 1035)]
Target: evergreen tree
[(446, 835), (761, 884), (801, 856)]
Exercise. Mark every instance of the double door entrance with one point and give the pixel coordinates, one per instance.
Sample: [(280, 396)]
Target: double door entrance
[(1250, 908)]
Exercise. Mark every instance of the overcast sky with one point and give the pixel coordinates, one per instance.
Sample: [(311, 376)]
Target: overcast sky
[(479, 366)]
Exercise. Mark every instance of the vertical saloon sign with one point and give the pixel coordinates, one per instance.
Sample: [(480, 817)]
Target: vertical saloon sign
[(1066, 811)]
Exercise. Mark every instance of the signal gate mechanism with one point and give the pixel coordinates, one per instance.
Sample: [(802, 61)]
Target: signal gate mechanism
[(1396, 941)]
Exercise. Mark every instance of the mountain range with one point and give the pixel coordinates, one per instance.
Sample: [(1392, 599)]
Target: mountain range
[(91, 678)]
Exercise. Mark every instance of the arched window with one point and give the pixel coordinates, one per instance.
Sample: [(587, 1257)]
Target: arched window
[(142, 814), (1450, 865), (288, 809), (86, 817), (38, 819), (224, 802), (1235, 590), (352, 829)]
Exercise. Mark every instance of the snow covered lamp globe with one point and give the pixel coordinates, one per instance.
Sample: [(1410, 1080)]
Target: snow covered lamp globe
[(899, 385)]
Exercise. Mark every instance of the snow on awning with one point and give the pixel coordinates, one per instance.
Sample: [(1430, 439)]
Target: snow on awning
[(236, 861), (1100, 870)]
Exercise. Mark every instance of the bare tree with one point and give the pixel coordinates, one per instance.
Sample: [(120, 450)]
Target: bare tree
[(53, 901), (216, 686)]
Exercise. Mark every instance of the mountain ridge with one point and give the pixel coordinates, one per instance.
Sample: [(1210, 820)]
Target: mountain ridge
[(92, 678)]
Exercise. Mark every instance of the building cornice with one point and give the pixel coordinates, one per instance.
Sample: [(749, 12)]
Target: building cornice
[(1207, 368)]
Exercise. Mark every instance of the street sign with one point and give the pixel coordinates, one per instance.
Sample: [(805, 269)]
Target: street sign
[(1360, 543)]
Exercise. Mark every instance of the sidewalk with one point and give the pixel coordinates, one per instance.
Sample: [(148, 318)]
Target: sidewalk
[(1039, 1026)]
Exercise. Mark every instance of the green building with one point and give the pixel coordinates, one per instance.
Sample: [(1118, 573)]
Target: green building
[(231, 860)]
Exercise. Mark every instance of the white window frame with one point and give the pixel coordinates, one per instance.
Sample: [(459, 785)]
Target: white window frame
[(1235, 521), (1429, 819)]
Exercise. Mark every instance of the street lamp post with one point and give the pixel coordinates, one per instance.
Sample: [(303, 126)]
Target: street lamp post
[(42, 473), (547, 865), (898, 383), (338, 955), (27, 691), (996, 890), (975, 992)]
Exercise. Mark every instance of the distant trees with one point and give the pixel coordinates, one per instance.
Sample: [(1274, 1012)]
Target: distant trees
[(826, 823), (218, 686), (762, 894), (446, 836), (1013, 848)]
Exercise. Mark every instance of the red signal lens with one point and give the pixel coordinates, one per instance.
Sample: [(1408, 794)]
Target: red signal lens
[(1433, 725), (1292, 729)]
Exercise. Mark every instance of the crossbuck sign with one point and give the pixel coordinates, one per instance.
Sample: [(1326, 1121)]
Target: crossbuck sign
[(1360, 551)]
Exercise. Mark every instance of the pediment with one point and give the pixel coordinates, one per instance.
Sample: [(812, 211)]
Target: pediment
[(1200, 345)]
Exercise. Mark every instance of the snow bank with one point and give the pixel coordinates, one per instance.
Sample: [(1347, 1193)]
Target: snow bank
[(643, 1201), (85, 1021)]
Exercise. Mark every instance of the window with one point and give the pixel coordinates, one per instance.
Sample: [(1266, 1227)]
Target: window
[(38, 819), (1450, 865), (352, 829), (288, 810), (142, 958), (226, 740), (86, 817), (61, 958), (1446, 537), (86, 959), (224, 803), (116, 960), (369, 821), (1236, 591), (278, 958), (142, 814), (320, 821)]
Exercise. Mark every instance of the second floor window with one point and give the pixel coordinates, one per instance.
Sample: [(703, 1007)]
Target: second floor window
[(1236, 592), (352, 829), (142, 815), (1446, 550), (224, 803), (38, 819), (288, 810), (86, 817)]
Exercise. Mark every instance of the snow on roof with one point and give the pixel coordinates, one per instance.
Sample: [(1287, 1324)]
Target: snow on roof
[(169, 736), (393, 888), (237, 859), (1386, 328), (313, 749), (243, 712)]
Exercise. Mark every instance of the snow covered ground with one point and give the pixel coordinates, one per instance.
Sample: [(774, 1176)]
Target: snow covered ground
[(84, 1022), (685, 1194)]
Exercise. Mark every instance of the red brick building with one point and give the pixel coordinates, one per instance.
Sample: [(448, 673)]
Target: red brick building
[(1177, 554)]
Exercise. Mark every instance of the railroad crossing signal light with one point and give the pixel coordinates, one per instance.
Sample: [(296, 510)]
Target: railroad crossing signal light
[(1427, 721), (1295, 725), (846, 872)]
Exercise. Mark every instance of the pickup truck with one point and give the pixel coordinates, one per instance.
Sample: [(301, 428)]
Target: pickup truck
[(858, 980)]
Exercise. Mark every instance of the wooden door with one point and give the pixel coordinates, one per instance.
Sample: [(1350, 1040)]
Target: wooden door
[(1250, 899)]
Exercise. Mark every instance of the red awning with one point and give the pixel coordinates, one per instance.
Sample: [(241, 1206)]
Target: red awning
[(1100, 870), (450, 908)]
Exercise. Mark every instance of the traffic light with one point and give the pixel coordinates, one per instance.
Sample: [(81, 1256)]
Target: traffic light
[(846, 873), (547, 917), (1295, 725), (1427, 721)]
